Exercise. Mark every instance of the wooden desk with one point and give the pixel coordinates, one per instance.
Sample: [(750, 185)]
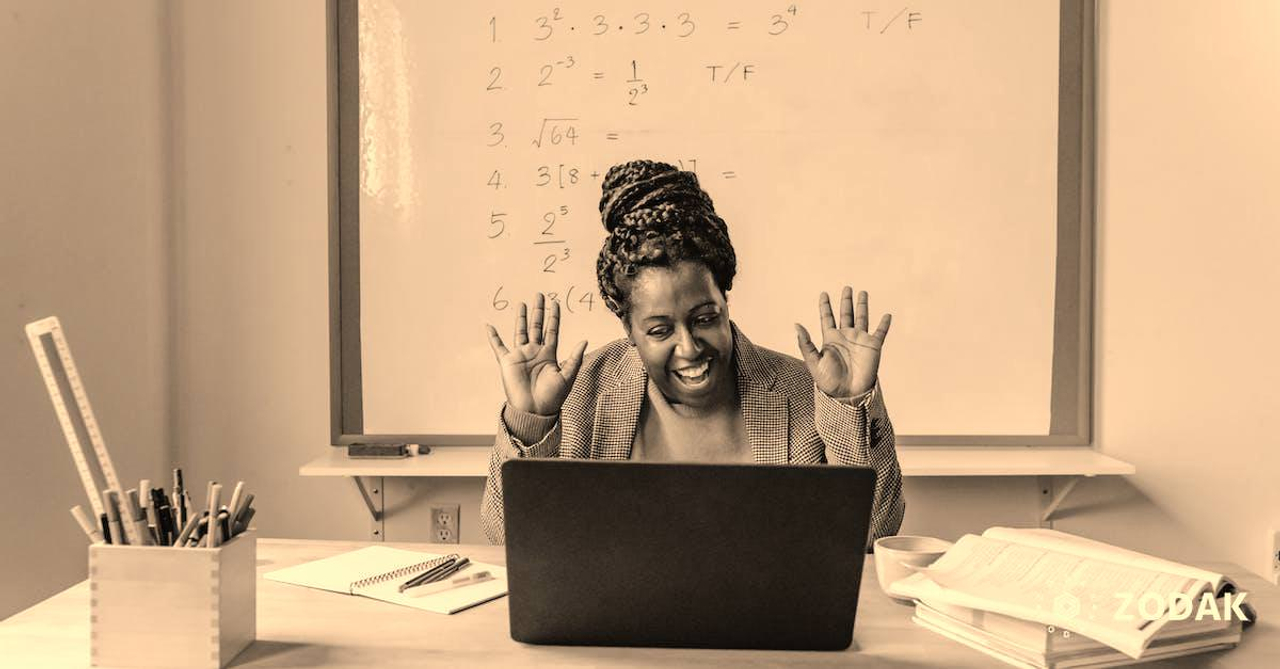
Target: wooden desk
[(301, 627)]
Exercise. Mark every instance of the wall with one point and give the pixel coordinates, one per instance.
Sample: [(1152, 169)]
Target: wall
[(83, 198), (253, 360), (221, 314), (1188, 204)]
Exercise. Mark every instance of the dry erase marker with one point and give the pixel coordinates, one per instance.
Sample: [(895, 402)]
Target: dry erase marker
[(244, 522), (237, 513), (224, 524), (106, 529), (236, 494), (450, 584), (187, 529), (136, 518), (113, 517), (85, 524), (215, 500)]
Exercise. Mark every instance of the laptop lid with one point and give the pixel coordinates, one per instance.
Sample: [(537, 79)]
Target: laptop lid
[(685, 555)]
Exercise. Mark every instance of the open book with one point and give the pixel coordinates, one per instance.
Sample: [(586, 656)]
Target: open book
[(1112, 595), (377, 572)]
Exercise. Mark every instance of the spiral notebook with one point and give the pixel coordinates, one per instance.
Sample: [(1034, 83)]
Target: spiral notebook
[(376, 572)]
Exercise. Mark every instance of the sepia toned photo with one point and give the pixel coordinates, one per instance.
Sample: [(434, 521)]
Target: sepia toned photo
[(350, 333)]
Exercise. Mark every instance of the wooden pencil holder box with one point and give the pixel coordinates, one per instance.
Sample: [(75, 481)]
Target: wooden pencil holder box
[(155, 606)]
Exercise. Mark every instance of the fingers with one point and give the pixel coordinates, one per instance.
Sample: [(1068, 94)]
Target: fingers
[(535, 324), (522, 326), (552, 337), (860, 317), (846, 308), (495, 343), (883, 331), (824, 312), (807, 350), (569, 368)]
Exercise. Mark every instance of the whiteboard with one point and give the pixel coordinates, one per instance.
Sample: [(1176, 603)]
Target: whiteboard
[(908, 150)]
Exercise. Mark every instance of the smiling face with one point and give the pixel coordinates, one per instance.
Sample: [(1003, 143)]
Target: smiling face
[(679, 323)]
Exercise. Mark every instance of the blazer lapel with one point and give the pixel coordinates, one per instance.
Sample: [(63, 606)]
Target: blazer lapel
[(763, 410), (618, 411)]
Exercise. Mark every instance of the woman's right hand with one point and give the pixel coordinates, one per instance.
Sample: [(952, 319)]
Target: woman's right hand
[(534, 379)]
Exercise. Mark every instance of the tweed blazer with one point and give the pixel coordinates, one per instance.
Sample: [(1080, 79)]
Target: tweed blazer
[(788, 421)]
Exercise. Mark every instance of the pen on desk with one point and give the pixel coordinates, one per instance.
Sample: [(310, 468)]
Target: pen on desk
[(441, 586), (448, 573), (215, 499), (113, 518), (448, 561), (85, 524)]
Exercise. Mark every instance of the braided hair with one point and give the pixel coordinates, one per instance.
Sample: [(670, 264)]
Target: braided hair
[(657, 216)]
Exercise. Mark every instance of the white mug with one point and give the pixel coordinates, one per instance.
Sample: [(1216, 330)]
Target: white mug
[(895, 557)]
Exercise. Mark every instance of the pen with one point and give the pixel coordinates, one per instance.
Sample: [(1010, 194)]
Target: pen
[(106, 529), (149, 508), (441, 586), (453, 569), (422, 578), (164, 517), (85, 524)]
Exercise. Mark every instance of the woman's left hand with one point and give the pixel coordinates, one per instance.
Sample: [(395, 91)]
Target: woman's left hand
[(846, 365)]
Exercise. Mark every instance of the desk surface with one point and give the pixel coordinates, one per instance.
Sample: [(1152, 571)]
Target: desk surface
[(473, 461), (303, 627)]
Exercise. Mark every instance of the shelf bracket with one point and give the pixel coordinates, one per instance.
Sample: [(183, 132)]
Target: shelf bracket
[(1051, 499), (373, 501)]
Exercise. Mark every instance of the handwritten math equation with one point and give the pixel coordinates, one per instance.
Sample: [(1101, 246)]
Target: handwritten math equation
[(554, 175)]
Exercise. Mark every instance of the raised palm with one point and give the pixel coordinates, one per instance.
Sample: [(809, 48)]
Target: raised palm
[(849, 359), (535, 380)]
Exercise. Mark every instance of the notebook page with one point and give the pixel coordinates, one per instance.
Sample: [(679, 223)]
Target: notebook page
[(338, 572), (446, 601)]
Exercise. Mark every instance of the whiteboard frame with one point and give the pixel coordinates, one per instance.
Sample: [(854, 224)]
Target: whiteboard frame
[(1071, 393)]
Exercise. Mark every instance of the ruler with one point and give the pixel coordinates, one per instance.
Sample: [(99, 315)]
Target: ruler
[(61, 378)]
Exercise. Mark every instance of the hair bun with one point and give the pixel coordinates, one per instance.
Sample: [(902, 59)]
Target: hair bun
[(644, 184)]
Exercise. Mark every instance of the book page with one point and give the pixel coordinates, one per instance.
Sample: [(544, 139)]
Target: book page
[(1069, 543), (1094, 597)]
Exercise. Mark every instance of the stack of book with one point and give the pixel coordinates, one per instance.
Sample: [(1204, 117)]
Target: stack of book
[(1041, 598)]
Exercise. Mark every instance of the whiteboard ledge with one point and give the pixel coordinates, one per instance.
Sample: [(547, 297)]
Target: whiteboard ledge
[(473, 461)]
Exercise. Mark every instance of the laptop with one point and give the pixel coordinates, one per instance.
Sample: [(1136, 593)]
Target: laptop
[(685, 555)]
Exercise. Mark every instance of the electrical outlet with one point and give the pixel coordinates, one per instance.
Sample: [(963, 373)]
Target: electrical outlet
[(1275, 557), (444, 523)]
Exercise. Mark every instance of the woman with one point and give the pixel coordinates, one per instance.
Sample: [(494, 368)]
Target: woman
[(686, 384)]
